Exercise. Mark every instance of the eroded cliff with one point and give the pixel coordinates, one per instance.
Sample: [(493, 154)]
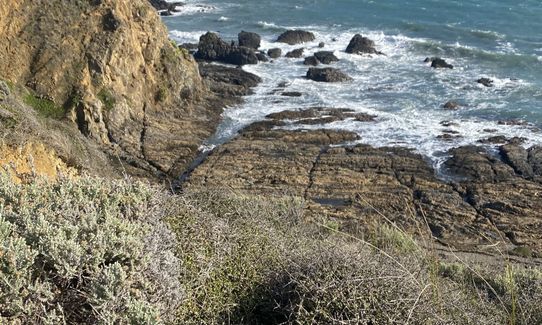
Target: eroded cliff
[(108, 68)]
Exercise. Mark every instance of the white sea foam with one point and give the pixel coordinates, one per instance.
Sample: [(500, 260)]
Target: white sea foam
[(405, 93), (186, 37), (193, 8)]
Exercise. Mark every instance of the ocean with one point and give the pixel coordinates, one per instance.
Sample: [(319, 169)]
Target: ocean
[(500, 40)]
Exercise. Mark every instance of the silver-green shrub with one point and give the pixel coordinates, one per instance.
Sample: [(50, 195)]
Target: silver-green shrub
[(86, 251)]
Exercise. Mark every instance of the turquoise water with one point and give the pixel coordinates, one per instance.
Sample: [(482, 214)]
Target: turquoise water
[(501, 40)]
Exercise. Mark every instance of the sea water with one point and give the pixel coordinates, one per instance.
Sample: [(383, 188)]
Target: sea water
[(497, 39)]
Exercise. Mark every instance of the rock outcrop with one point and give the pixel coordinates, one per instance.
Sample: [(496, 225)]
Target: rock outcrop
[(326, 57), (212, 48), (293, 37), (112, 71), (327, 75), (491, 202), (249, 39), (361, 45)]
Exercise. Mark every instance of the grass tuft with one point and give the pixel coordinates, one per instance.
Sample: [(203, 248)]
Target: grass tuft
[(45, 107)]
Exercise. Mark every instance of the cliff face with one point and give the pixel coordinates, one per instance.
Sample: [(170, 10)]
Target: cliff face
[(110, 68)]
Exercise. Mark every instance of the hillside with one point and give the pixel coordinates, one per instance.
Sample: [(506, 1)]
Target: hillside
[(109, 69)]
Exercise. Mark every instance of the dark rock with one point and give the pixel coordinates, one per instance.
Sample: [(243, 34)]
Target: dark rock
[(274, 53), (448, 137), (485, 81), (293, 37), (166, 13), (326, 57), (262, 57), (241, 56), (228, 81), (189, 46), (311, 60), (452, 105), (439, 63), (250, 40), (327, 75), (110, 22), (212, 48), (475, 164), (297, 53), (321, 44), (517, 157), (164, 5), (499, 139), (291, 94), (361, 45)]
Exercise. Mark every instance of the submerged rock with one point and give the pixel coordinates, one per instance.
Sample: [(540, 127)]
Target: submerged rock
[(293, 37), (485, 81), (327, 75), (451, 105), (438, 63)]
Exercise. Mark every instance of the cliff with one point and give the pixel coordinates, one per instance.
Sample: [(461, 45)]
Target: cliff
[(108, 68)]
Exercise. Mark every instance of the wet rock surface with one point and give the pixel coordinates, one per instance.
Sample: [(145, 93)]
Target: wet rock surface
[(293, 37), (327, 75), (212, 48), (228, 81), (491, 199), (361, 45), (297, 53)]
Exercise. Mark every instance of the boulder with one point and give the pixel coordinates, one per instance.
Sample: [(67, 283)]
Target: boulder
[(297, 53), (212, 48), (361, 45), (164, 5), (250, 40), (262, 57), (321, 45), (293, 37), (274, 53), (326, 57), (311, 60), (327, 75), (438, 63), (485, 81)]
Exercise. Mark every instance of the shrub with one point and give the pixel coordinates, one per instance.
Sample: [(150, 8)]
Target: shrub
[(44, 107), (107, 99), (85, 251)]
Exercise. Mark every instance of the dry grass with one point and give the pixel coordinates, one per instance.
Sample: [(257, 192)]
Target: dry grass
[(258, 260)]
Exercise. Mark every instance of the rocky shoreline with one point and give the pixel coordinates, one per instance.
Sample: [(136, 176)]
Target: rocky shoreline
[(493, 200)]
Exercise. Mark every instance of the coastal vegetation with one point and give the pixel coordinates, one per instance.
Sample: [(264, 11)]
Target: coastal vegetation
[(95, 251)]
